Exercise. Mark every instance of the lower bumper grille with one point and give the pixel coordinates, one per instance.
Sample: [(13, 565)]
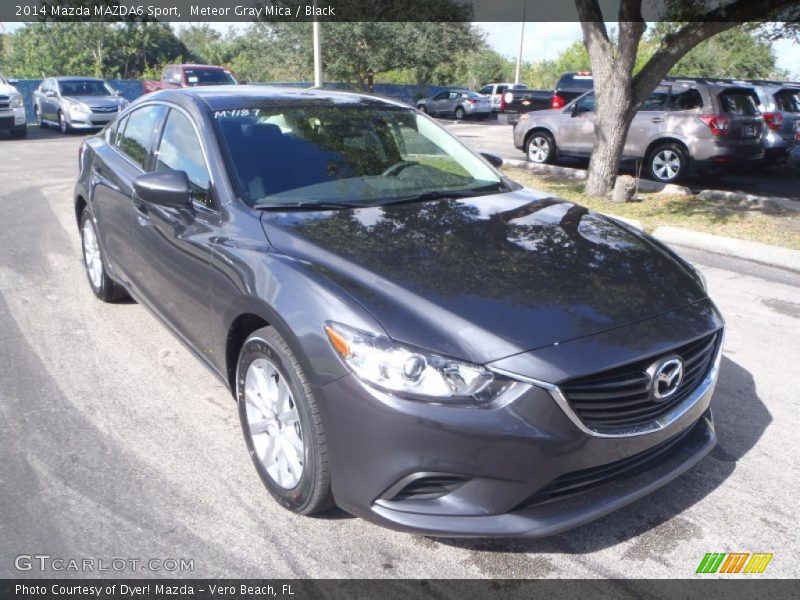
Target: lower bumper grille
[(579, 482), (621, 397)]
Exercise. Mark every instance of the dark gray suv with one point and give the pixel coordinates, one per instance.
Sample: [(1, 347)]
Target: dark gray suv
[(683, 125), (408, 334)]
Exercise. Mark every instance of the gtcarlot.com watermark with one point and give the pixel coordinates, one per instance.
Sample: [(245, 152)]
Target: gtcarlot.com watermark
[(58, 564)]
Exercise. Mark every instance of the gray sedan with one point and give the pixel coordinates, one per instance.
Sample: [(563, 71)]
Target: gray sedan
[(456, 103), (76, 103)]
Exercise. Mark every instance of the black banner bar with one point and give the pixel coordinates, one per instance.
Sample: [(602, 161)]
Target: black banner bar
[(356, 10), (732, 588)]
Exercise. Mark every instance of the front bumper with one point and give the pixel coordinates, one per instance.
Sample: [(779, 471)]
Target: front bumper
[(89, 120), (12, 118), (505, 455)]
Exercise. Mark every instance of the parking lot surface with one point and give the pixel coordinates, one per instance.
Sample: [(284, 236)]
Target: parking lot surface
[(116, 442), (496, 136)]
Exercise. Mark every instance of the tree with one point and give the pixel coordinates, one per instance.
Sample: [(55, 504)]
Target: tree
[(207, 45), (620, 90)]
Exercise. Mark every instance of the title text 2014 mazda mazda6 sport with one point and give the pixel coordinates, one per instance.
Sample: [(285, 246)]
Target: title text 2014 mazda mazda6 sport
[(408, 334)]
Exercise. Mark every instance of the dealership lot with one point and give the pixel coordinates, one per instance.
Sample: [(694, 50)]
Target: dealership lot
[(118, 443), (496, 136)]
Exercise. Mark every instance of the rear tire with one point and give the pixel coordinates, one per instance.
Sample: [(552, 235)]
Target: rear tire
[(105, 288), (460, 113), (540, 148), (282, 425), (667, 163)]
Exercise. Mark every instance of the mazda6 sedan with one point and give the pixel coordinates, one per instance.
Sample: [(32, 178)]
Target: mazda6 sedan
[(407, 333)]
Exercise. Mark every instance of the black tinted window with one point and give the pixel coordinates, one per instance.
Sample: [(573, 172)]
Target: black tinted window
[(739, 103), (788, 100), (685, 100), (207, 77), (586, 104), (137, 139), (180, 150), (575, 82)]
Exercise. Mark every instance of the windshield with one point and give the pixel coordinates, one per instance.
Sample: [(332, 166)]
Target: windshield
[(208, 77), (350, 155), (86, 87)]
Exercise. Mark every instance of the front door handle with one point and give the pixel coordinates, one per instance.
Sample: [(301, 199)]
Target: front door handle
[(656, 120)]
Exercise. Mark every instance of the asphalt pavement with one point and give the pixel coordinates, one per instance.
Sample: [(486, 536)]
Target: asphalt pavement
[(496, 136), (117, 442)]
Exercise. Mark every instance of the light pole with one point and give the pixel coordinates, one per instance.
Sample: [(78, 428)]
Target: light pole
[(521, 40), (317, 52)]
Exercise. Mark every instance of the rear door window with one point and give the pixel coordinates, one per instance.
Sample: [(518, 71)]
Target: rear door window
[(788, 101), (685, 99), (657, 100), (487, 89), (137, 139), (739, 103)]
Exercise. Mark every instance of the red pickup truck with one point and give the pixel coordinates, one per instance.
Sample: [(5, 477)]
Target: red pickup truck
[(179, 76)]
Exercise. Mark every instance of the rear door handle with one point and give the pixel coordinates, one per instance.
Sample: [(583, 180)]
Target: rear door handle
[(656, 120)]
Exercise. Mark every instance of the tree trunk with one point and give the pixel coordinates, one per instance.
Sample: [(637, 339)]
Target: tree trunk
[(613, 115)]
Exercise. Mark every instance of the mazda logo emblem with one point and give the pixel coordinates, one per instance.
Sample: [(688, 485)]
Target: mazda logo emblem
[(666, 376)]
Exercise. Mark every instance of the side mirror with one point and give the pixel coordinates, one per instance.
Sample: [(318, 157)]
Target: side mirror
[(117, 93), (574, 111), (164, 188), (50, 93), (13, 81), (493, 159)]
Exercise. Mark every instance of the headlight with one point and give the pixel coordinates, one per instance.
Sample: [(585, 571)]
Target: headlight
[(16, 101), (415, 374), (78, 109)]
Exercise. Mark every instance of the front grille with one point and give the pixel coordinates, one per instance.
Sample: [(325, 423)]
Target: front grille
[(104, 109), (586, 480), (620, 398), (5, 102)]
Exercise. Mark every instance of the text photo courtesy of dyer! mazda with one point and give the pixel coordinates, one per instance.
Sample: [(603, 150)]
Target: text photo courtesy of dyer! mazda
[(409, 334)]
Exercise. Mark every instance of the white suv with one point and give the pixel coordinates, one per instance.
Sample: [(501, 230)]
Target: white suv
[(495, 92), (12, 109)]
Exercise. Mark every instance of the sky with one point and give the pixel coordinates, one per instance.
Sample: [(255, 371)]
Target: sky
[(546, 40)]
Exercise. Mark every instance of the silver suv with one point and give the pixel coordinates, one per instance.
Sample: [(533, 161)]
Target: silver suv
[(780, 105), (683, 125)]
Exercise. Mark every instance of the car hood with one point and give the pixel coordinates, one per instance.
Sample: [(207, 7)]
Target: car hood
[(7, 90), (487, 277)]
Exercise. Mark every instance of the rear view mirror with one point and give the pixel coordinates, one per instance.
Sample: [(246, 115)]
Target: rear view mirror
[(493, 159), (164, 188)]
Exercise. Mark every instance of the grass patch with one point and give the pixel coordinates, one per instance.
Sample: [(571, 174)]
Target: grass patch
[(775, 226)]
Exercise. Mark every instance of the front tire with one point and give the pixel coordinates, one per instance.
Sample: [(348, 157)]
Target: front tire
[(282, 425), (540, 148), (19, 132), (62, 123), (667, 163), (39, 121), (105, 288)]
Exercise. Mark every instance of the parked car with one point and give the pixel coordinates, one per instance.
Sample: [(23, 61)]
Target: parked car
[(683, 125), (189, 75), (570, 86), (779, 103), (76, 103), (495, 91), (407, 333), (12, 109), (459, 104), (518, 102)]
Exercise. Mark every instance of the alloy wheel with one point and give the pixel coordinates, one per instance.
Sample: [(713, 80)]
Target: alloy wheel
[(538, 149), (666, 165), (91, 255), (274, 423)]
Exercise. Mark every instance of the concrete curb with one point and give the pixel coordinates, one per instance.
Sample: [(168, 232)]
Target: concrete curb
[(750, 199), (775, 256)]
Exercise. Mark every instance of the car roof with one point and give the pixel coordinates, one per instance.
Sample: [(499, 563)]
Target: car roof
[(228, 97), (198, 66)]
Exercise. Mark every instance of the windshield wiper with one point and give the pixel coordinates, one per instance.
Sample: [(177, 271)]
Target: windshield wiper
[(306, 205), (446, 194)]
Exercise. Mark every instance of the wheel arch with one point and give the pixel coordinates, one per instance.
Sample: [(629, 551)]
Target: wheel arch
[(80, 205), (666, 140), (536, 129)]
